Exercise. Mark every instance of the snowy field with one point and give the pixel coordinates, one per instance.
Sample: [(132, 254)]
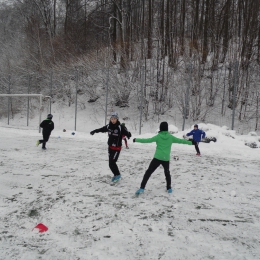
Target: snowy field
[(213, 212)]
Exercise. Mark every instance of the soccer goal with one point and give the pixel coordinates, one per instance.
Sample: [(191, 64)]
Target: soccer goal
[(29, 95)]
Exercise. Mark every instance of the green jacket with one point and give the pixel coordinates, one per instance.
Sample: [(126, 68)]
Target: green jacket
[(164, 141)]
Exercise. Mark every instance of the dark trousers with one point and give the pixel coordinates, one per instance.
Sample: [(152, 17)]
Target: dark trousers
[(154, 164), (197, 147), (45, 139), (112, 158)]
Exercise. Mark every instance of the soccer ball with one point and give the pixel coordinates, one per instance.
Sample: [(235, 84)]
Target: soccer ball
[(64, 130), (176, 157), (73, 133)]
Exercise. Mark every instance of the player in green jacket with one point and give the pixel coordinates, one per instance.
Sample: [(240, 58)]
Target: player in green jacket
[(164, 141)]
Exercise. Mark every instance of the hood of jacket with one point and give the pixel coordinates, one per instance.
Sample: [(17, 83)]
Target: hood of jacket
[(165, 135)]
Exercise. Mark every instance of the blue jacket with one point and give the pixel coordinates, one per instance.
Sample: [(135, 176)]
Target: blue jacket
[(197, 134)]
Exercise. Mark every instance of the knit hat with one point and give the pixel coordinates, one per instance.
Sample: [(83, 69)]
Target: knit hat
[(163, 126), (114, 115), (196, 126), (49, 116)]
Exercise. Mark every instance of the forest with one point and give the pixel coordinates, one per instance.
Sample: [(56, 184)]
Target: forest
[(198, 57)]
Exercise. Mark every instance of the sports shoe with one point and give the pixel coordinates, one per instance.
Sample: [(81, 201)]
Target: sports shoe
[(116, 178), (139, 191), (169, 190), (43, 148), (38, 142), (198, 154), (127, 147)]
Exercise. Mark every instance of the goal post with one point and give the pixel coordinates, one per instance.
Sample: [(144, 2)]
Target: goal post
[(30, 95)]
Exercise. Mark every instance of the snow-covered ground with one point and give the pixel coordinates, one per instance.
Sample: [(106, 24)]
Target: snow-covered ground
[(213, 212)]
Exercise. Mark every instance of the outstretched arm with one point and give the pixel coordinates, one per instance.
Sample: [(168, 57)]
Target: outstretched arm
[(203, 134), (146, 140), (103, 129), (190, 133), (181, 141)]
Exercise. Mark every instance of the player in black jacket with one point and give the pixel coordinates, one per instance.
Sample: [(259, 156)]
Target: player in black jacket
[(47, 126), (115, 131)]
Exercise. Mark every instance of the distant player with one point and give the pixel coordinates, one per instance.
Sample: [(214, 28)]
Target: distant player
[(47, 126), (197, 136)]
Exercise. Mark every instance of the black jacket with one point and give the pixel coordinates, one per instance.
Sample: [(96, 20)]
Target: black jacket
[(115, 132), (47, 126)]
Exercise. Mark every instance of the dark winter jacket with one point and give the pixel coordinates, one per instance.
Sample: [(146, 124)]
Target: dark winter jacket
[(47, 126), (197, 134), (164, 141), (115, 132)]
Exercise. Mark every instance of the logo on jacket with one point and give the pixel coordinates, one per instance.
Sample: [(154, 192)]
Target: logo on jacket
[(116, 131)]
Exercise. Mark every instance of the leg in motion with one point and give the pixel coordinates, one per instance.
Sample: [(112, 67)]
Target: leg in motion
[(155, 163), (112, 158), (197, 148), (166, 166), (45, 140)]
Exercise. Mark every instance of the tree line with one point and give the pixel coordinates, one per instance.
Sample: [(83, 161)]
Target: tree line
[(195, 55)]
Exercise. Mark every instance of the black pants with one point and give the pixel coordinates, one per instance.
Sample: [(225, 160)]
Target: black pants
[(46, 137), (154, 164), (197, 147), (112, 158)]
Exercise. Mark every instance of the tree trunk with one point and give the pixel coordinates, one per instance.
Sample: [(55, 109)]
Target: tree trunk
[(150, 30), (114, 34), (183, 17), (205, 33)]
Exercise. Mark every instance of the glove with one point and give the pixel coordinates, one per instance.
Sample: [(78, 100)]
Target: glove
[(93, 132), (129, 136), (134, 140), (193, 142)]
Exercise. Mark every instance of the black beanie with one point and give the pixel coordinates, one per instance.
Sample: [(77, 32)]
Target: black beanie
[(163, 126)]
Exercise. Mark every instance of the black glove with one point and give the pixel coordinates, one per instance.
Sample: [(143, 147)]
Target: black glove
[(129, 135), (134, 140), (93, 132), (193, 142)]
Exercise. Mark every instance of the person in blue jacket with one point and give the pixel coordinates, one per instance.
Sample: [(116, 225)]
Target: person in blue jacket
[(197, 134)]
